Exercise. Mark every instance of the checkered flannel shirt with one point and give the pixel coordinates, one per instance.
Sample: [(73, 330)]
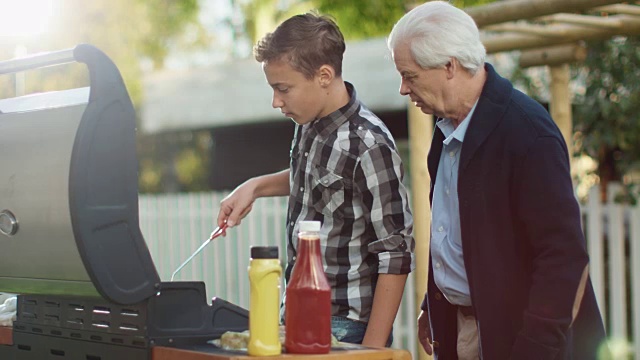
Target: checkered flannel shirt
[(346, 172)]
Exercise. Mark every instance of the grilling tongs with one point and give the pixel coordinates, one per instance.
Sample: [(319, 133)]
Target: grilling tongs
[(216, 232)]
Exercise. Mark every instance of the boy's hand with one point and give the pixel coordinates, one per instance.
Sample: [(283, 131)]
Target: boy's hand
[(236, 205)]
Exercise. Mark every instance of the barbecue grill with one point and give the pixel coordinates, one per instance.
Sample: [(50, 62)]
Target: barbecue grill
[(70, 242)]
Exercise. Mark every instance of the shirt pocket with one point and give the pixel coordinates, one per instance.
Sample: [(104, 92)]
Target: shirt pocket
[(327, 195)]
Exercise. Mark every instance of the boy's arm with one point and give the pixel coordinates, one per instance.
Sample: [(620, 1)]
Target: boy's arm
[(386, 302), (379, 179), (239, 203)]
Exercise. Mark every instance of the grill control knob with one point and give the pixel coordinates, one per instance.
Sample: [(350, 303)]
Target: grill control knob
[(8, 223)]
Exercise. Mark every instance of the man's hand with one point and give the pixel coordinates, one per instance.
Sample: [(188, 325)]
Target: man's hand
[(424, 332)]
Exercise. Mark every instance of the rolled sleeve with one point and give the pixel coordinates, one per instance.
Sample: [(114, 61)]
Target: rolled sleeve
[(394, 261), (385, 198)]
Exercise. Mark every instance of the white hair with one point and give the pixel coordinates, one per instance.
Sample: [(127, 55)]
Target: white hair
[(437, 31)]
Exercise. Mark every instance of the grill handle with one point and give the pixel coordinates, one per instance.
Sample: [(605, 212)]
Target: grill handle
[(37, 61), (104, 76)]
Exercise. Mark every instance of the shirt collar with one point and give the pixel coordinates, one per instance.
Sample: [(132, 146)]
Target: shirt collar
[(446, 125), (328, 124)]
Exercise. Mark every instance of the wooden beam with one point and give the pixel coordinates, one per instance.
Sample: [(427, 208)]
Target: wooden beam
[(571, 33), (586, 20), (527, 29), (420, 134), (552, 56), (619, 9), (503, 11), (560, 103)]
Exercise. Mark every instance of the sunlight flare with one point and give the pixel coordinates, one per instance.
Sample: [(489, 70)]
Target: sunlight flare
[(25, 18)]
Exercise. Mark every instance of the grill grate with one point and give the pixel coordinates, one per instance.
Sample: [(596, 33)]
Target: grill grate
[(93, 328)]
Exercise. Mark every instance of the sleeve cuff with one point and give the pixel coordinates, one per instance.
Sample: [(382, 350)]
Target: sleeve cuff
[(396, 263)]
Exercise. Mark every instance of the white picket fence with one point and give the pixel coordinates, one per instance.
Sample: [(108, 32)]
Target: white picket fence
[(613, 240), (174, 225)]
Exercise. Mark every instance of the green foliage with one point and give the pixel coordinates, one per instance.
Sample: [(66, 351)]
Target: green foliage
[(358, 19), (174, 162), (468, 3), (255, 13), (607, 119), (262, 16), (364, 18), (169, 18), (128, 31)]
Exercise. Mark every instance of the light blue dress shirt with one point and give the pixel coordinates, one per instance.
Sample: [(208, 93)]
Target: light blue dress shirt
[(446, 241)]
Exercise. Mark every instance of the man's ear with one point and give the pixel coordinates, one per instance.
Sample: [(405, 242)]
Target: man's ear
[(451, 67), (325, 75)]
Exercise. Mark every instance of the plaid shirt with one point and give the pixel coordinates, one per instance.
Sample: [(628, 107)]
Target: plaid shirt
[(346, 172)]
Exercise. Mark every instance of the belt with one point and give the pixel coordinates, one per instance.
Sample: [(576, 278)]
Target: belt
[(466, 310)]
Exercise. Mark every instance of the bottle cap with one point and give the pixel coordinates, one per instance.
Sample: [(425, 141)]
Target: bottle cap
[(264, 252), (309, 225)]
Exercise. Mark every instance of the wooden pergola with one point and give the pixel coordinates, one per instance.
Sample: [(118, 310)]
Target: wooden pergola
[(547, 33)]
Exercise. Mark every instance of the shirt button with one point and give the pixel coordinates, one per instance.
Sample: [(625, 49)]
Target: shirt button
[(440, 229), (293, 258), (301, 188), (452, 153), (291, 223), (359, 127), (447, 191), (306, 154), (438, 265), (325, 181), (438, 296)]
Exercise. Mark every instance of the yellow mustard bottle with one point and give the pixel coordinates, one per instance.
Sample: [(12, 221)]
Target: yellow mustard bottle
[(264, 306)]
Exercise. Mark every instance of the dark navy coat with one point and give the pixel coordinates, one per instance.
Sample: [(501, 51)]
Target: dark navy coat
[(524, 250)]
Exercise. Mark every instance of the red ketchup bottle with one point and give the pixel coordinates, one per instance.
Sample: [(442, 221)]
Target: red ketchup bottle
[(308, 297)]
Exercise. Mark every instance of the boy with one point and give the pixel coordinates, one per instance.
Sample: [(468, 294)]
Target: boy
[(345, 171)]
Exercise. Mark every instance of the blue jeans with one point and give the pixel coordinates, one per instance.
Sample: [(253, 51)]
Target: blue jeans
[(351, 331)]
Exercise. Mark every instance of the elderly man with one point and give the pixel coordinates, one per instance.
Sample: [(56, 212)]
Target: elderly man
[(508, 276)]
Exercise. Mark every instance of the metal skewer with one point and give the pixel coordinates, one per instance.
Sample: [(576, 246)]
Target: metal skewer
[(216, 232)]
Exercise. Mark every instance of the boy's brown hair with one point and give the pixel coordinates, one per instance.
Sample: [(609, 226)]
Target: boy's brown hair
[(306, 42)]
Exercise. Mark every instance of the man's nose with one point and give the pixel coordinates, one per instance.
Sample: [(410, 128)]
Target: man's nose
[(404, 89)]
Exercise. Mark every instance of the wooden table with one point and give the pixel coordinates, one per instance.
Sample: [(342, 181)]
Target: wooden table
[(165, 353), (6, 335)]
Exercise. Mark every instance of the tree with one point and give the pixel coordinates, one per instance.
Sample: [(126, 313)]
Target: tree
[(607, 119), (358, 19), (373, 18), (262, 16), (128, 31)]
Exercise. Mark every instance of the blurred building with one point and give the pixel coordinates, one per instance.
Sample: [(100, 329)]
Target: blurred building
[(232, 100)]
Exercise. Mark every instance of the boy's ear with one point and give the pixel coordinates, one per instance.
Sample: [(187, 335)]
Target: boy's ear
[(325, 75)]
